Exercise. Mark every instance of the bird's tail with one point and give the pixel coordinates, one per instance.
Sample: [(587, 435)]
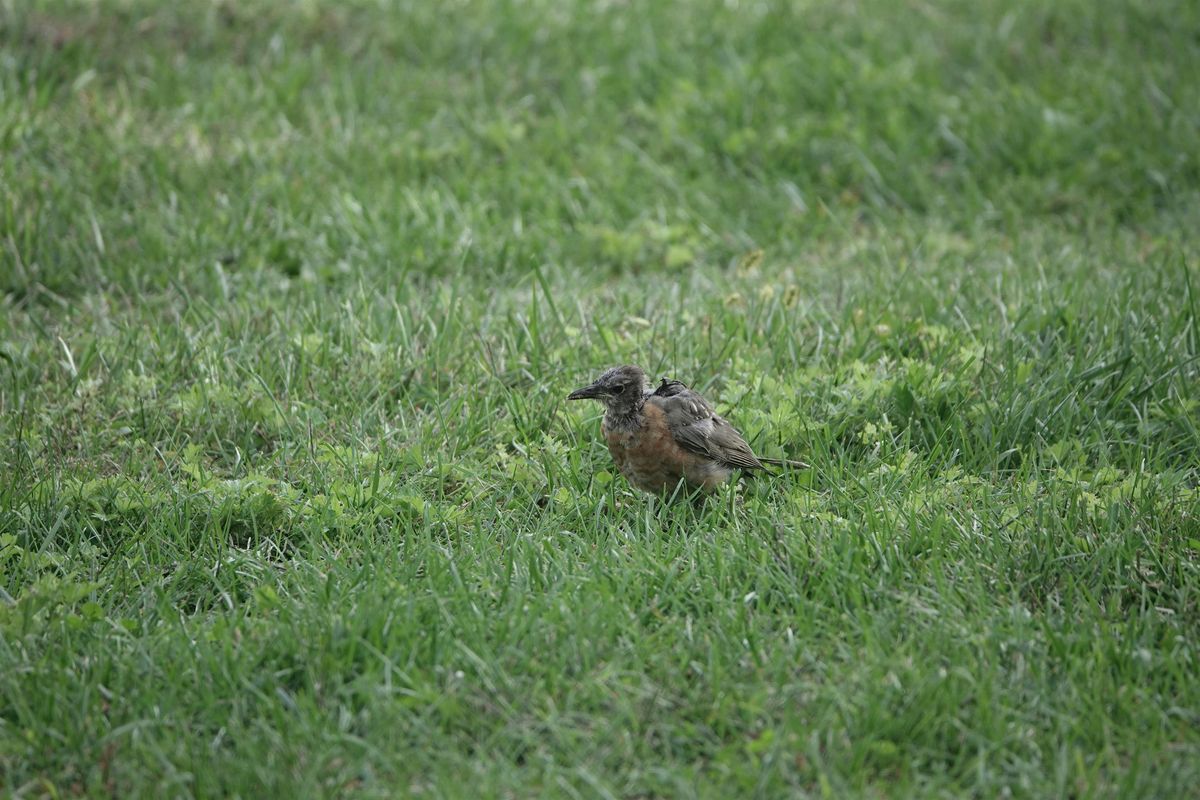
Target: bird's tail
[(783, 462)]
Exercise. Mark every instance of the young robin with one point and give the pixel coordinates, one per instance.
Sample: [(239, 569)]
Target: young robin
[(672, 434)]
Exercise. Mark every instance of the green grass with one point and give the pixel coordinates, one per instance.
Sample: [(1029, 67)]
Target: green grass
[(291, 295)]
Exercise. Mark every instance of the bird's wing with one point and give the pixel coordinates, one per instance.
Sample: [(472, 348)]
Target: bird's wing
[(670, 388), (697, 428)]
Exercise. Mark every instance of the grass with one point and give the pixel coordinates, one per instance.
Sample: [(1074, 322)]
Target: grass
[(291, 295)]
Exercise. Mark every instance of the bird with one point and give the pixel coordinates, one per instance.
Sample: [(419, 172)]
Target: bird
[(670, 435)]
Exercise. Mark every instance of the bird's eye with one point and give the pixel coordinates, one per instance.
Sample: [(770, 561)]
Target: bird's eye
[(618, 389)]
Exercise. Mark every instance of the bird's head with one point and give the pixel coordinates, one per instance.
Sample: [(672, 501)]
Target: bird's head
[(620, 389)]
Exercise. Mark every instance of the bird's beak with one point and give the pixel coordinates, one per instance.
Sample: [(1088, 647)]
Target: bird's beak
[(585, 393)]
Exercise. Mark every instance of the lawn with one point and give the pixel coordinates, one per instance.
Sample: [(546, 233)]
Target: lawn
[(292, 293)]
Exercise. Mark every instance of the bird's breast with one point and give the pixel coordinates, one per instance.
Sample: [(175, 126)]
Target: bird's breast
[(646, 453)]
